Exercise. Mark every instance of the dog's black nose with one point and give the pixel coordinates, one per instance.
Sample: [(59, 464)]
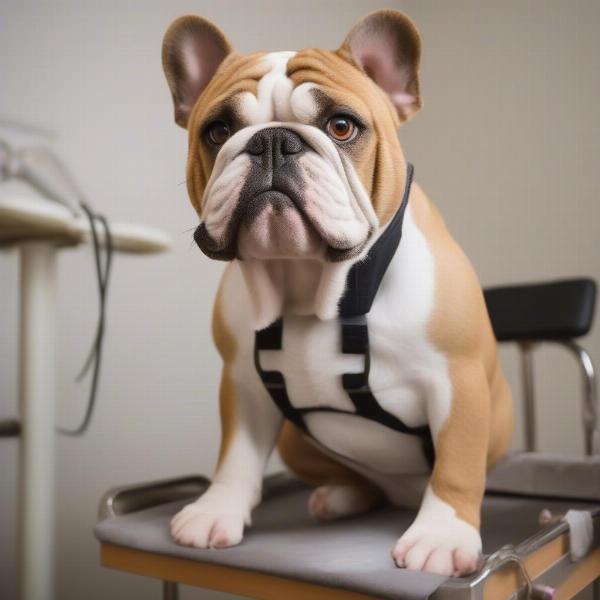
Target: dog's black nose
[(274, 145)]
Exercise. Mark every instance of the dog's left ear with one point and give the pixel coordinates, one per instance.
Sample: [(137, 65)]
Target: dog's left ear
[(387, 47)]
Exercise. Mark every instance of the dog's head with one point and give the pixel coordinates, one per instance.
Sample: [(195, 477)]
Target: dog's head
[(294, 154)]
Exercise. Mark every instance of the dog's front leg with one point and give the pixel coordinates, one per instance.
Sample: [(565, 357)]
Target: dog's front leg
[(444, 537), (250, 425)]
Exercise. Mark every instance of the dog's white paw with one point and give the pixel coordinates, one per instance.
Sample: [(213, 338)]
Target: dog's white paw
[(215, 520), (439, 551), (439, 542), (329, 502)]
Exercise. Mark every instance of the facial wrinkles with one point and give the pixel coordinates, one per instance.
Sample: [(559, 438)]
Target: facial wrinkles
[(218, 208), (335, 200), (237, 75), (378, 164), (339, 202), (262, 93), (272, 99), (327, 206)]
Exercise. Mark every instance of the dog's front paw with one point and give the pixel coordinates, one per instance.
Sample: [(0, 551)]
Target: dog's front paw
[(215, 520), (448, 547)]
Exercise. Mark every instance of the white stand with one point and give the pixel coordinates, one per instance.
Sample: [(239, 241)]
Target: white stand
[(36, 391), (40, 228)]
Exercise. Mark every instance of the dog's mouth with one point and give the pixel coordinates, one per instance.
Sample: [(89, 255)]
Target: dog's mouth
[(256, 218), (277, 201), (273, 224)]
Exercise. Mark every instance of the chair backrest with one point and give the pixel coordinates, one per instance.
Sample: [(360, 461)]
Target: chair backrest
[(556, 310)]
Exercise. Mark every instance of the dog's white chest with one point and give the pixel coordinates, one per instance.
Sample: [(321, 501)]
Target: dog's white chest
[(312, 365), (407, 375)]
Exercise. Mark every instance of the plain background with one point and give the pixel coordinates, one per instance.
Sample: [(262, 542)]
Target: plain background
[(507, 146)]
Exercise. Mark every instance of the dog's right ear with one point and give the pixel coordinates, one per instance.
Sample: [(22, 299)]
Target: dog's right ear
[(193, 48)]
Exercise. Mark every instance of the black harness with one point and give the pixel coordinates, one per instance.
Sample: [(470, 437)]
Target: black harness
[(362, 285)]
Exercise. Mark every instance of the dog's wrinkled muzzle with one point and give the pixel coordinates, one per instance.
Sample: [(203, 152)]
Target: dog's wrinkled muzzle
[(274, 181), (285, 191)]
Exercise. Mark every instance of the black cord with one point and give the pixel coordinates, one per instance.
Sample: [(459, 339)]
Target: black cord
[(95, 354), (102, 276)]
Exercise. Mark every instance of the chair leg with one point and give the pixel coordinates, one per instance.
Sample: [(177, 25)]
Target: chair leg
[(590, 396), (528, 396), (170, 590)]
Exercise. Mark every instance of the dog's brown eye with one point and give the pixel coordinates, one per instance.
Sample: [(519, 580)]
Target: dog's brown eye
[(341, 129), (218, 133)]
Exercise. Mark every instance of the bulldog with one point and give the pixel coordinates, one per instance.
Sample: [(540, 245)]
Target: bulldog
[(353, 329)]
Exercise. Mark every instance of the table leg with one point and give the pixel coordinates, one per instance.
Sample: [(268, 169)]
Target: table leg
[(170, 590), (36, 396)]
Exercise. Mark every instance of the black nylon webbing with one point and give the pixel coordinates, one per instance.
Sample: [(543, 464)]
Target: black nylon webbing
[(365, 276)]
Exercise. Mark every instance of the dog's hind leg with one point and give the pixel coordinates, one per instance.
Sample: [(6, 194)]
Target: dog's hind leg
[(340, 491)]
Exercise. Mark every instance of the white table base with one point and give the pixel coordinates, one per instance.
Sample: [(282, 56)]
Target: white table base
[(37, 404), (40, 227)]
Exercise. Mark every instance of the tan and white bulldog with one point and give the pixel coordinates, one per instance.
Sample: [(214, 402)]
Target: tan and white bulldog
[(295, 171)]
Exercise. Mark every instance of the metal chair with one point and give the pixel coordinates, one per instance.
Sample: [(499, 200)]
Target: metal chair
[(548, 313)]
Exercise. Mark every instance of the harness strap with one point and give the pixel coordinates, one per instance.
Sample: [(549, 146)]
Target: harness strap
[(363, 283), (364, 278), (355, 340), (270, 338)]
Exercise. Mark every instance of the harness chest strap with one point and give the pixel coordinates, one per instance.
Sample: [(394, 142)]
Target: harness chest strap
[(362, 285)]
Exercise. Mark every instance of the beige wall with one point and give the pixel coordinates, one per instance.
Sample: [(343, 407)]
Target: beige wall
[(507, 146)]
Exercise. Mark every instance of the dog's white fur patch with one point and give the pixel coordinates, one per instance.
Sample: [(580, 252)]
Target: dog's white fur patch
[(409, 377), (224, 192), (272, 100), (438, 541)]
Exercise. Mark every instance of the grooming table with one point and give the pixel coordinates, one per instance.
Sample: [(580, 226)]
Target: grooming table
[(286, 555)]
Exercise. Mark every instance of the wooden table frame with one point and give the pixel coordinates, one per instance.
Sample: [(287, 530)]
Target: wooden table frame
[(500, 586)]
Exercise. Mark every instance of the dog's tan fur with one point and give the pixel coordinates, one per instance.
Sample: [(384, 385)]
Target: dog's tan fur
[(481, 414), (378, 161), (226, 345), (236, 75)]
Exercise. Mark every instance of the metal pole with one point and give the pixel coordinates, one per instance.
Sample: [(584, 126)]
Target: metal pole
[(170, 590), (528, 395), (590, 397), (36, 397)]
